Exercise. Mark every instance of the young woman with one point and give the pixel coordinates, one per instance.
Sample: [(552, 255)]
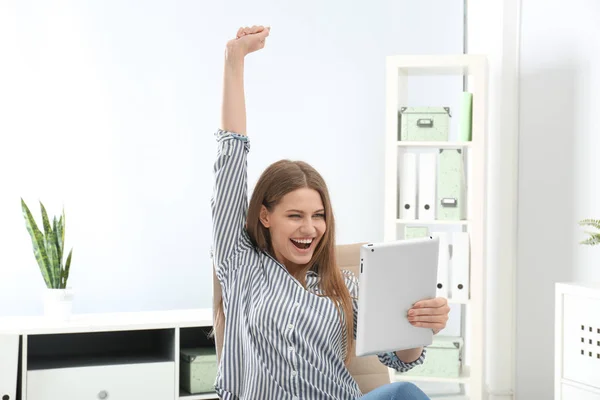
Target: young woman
[(290, 313)]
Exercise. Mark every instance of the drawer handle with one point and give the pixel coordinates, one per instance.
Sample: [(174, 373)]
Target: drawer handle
[(103, 395)]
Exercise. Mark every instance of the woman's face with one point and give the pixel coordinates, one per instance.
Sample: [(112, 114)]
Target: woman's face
[(297, 225)]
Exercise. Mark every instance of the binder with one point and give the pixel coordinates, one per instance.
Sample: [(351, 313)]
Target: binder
[(465, 123), (460, 263), (443, 261), (9, 364), (408, 187), (451, 190), (426, 197)]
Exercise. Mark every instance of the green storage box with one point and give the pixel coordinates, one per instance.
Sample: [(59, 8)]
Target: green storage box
[(451, 186), (424, 123), (413, 232), (198, 370), (442, 360)]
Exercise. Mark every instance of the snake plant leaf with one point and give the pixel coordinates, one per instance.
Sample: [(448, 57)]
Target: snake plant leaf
[(46, 221), (56, 235), (51, 248), (55, 267), (61, 231), (65, 272), (37, 239)]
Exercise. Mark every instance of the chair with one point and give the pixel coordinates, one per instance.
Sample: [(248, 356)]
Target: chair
[(368, 372)]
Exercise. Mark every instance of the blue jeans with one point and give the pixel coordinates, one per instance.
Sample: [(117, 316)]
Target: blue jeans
[(396, 391)]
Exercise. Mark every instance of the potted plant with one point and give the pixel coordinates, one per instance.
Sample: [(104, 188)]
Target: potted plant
[(48, 248), (593, 237)]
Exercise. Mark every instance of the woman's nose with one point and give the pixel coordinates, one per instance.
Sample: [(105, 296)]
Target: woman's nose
[(308, 226)]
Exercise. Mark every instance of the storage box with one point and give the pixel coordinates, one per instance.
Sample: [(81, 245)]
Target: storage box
[(443, 359), (413, 232), (424, 123), (451, 185), (198, 369)]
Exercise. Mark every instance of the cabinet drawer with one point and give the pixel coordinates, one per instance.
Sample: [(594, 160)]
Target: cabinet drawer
[(574, 393), (148, 381)]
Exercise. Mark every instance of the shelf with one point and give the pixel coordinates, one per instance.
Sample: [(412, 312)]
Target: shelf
[(463, 378), (431, 222), (465, 302), (183, 395), (445, 145)]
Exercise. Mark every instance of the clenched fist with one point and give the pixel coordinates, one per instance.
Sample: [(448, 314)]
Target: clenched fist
[(248, 40)]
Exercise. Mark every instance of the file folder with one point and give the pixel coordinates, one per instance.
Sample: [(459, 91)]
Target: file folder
[(443, 261), (460, 266), (451, 185), (465, 123), (426, 197), (9, 364), (408, 187)]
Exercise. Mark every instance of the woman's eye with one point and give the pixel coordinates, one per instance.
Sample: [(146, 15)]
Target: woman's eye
[(320, 215), (294, 216)]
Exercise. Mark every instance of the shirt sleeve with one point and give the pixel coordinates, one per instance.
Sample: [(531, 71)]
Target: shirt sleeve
[(229, 202), (390, 359)]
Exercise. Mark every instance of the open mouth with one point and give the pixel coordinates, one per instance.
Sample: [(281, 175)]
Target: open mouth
[(302, 244)]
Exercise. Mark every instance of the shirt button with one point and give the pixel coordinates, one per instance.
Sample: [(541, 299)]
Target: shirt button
[(296, 304), (295, 398), (291, 348), (290, 326), (294, 373)]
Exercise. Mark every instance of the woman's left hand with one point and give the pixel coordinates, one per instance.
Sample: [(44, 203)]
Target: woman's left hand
[(430, 313)]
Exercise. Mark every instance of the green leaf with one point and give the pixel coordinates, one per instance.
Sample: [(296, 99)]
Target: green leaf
[(65, 272), (37, 239), (593, 239), (56, 235), (51, 249), (590, 222)]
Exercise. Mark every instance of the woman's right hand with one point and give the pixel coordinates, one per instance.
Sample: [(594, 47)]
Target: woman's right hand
[(248, 40)]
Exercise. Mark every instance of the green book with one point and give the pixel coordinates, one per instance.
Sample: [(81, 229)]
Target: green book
[(466, 117)]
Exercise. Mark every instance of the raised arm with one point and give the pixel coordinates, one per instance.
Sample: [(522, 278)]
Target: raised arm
[(229, 200), (233, 110)]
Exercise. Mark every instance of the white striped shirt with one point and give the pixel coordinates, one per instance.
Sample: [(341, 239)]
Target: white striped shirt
[(281, 341)]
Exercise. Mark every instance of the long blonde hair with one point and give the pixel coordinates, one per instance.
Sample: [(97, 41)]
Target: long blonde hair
[(279, 179)]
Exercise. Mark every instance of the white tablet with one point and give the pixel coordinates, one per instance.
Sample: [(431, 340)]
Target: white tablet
[(394, 276)]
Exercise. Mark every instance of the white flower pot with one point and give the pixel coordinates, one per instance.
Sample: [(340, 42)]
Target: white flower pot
[(58, 303)]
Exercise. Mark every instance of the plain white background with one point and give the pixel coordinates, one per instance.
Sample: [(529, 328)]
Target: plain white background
[(558, 173), (109, 109)]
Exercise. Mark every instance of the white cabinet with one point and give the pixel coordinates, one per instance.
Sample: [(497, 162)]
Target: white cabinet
[(574, 393), (577, 347), (120, 356), (148, 381)]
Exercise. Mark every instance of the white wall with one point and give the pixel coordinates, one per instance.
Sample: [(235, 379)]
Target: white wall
[(108, 108), (558, 164)]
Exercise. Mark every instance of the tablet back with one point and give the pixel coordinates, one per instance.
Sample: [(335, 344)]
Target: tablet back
[(394, 276)]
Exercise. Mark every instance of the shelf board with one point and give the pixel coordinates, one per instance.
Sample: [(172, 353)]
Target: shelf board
[(183, 395), (432, 222), (444, 145), (453, 301), (463, 378)]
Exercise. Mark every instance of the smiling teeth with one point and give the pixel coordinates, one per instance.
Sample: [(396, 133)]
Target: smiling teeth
[(304, 241)]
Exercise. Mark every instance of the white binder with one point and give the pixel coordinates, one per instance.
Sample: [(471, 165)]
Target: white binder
[(443, 261), (9, 356), (427, 186), (408, 187), (460, 263)]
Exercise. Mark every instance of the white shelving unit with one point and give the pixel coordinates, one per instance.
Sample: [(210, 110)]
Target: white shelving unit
[(134, 355), (400, 70)]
